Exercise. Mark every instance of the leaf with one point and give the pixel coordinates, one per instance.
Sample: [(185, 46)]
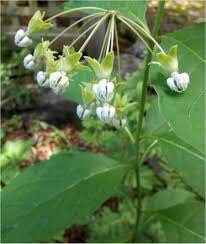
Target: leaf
[(168, 198), (185, 160), (73, 92), (184, 223), (95, 66), (155, 123), (50, 196), (185, 112), (130, 8)]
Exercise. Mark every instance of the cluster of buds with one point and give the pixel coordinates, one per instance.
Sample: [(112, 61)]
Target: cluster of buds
[(51, 71), (99, 96), (177, 82)]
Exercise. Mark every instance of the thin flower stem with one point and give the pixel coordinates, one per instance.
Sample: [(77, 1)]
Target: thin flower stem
[(99, 23), (144, 31), (104, 41), (74, 10), (109, 39), (82, 34), (75, 23), (112, 33), (148, 150), (136, 32), (117, 46), (155, 30), (130, 135)]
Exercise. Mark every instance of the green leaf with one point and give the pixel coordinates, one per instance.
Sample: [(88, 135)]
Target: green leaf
[(185, 112), (130, 8), (185, 160), (50, 196), (36, 23), (168, 198), (184, 223), (73, 92), (155, 123), (16, 149)]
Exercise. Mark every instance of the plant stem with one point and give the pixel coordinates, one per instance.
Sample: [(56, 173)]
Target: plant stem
[(100, 22), (82, 34), (141, 114), (117, 47), (135, 31), (151, 37), (74, 10), (75, 23)]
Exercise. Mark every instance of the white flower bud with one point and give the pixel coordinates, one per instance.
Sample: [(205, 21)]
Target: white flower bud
[(83, 112), (58, 81), (21, 39), (29, 62), (104, 90), (178, 82), (42, 79), (119, 122), (105, 113)]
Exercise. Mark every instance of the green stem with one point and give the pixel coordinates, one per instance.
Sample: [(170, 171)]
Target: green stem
[(117, 47), (141, 115), (74, 10), (103, 49), (75, 23), (100, 22)]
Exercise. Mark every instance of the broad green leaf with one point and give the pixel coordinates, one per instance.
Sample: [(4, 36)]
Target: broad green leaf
[(184, 223), (188, 162), (50, 196), (73, 92), (185, 112), (155, 123), (130, 8), (168, 198)]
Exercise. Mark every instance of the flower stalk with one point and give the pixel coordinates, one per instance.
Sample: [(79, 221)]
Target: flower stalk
[(141, 116)]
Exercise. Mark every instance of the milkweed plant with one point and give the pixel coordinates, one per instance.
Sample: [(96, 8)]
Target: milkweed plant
[(101, 96)]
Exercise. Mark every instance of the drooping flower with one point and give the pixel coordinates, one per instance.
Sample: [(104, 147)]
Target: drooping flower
[(58, 81), (29, 62), (106, 113), (21, 39), (83, 112), (119, 122), (42, 79), (104, 90), (178, 82)]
